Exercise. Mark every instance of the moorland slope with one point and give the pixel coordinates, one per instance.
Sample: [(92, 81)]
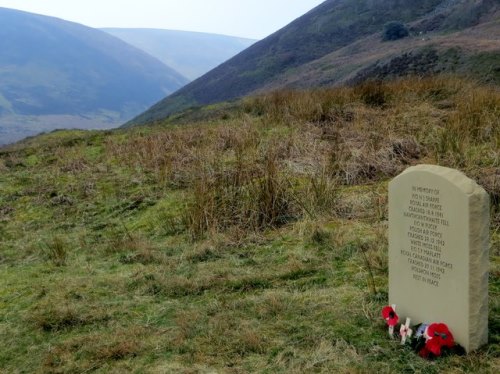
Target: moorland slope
[(340, 42)]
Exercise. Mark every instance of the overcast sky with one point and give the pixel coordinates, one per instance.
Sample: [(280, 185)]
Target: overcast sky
[(247, 18)]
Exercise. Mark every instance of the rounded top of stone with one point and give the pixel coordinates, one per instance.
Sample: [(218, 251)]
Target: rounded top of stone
[(459, 179)]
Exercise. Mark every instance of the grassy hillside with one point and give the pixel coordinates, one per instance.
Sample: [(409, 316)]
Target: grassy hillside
[(474, 52), (190, 53), (341, 41), (49, 66), (253, 240)]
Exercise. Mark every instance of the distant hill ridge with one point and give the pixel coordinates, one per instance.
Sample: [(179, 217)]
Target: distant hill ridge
[(51, 67), (190, 53), (340, 41)]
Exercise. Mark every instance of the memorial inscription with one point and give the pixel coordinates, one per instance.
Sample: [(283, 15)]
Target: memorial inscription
[(438, 251), (426, 230)]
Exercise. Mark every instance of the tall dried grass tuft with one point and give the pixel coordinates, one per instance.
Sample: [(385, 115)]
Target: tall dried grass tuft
[(477, 117), (251, 195), (290, 107), (372, 93), (56, 251)]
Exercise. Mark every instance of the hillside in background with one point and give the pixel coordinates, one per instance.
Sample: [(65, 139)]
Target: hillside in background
[(254, 241), (190, 53), (340, 41), (55, 73)]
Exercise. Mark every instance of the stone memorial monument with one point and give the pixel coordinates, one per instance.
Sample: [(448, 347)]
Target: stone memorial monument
[(438, 251)]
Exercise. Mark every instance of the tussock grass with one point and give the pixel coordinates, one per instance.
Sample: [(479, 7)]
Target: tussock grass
[(101, 350), (56, 251), (256, 242), (56, 315)]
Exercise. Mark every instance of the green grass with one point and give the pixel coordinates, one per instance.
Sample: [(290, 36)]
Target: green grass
[(256, 243)]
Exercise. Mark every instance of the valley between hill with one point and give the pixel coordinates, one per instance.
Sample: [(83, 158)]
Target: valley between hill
[(60, 74), (192, 54)]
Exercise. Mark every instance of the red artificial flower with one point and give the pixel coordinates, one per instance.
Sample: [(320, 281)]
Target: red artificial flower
[(390, 316), (439, 336)]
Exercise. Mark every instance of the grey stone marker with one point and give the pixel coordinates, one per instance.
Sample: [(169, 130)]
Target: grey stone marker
[(438, 251)]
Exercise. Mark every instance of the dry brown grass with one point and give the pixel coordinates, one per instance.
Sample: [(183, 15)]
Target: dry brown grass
[(290, 162), (56, 314), (97, 349)]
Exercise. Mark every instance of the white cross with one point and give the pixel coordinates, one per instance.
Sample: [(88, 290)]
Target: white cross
[(405, 331)]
